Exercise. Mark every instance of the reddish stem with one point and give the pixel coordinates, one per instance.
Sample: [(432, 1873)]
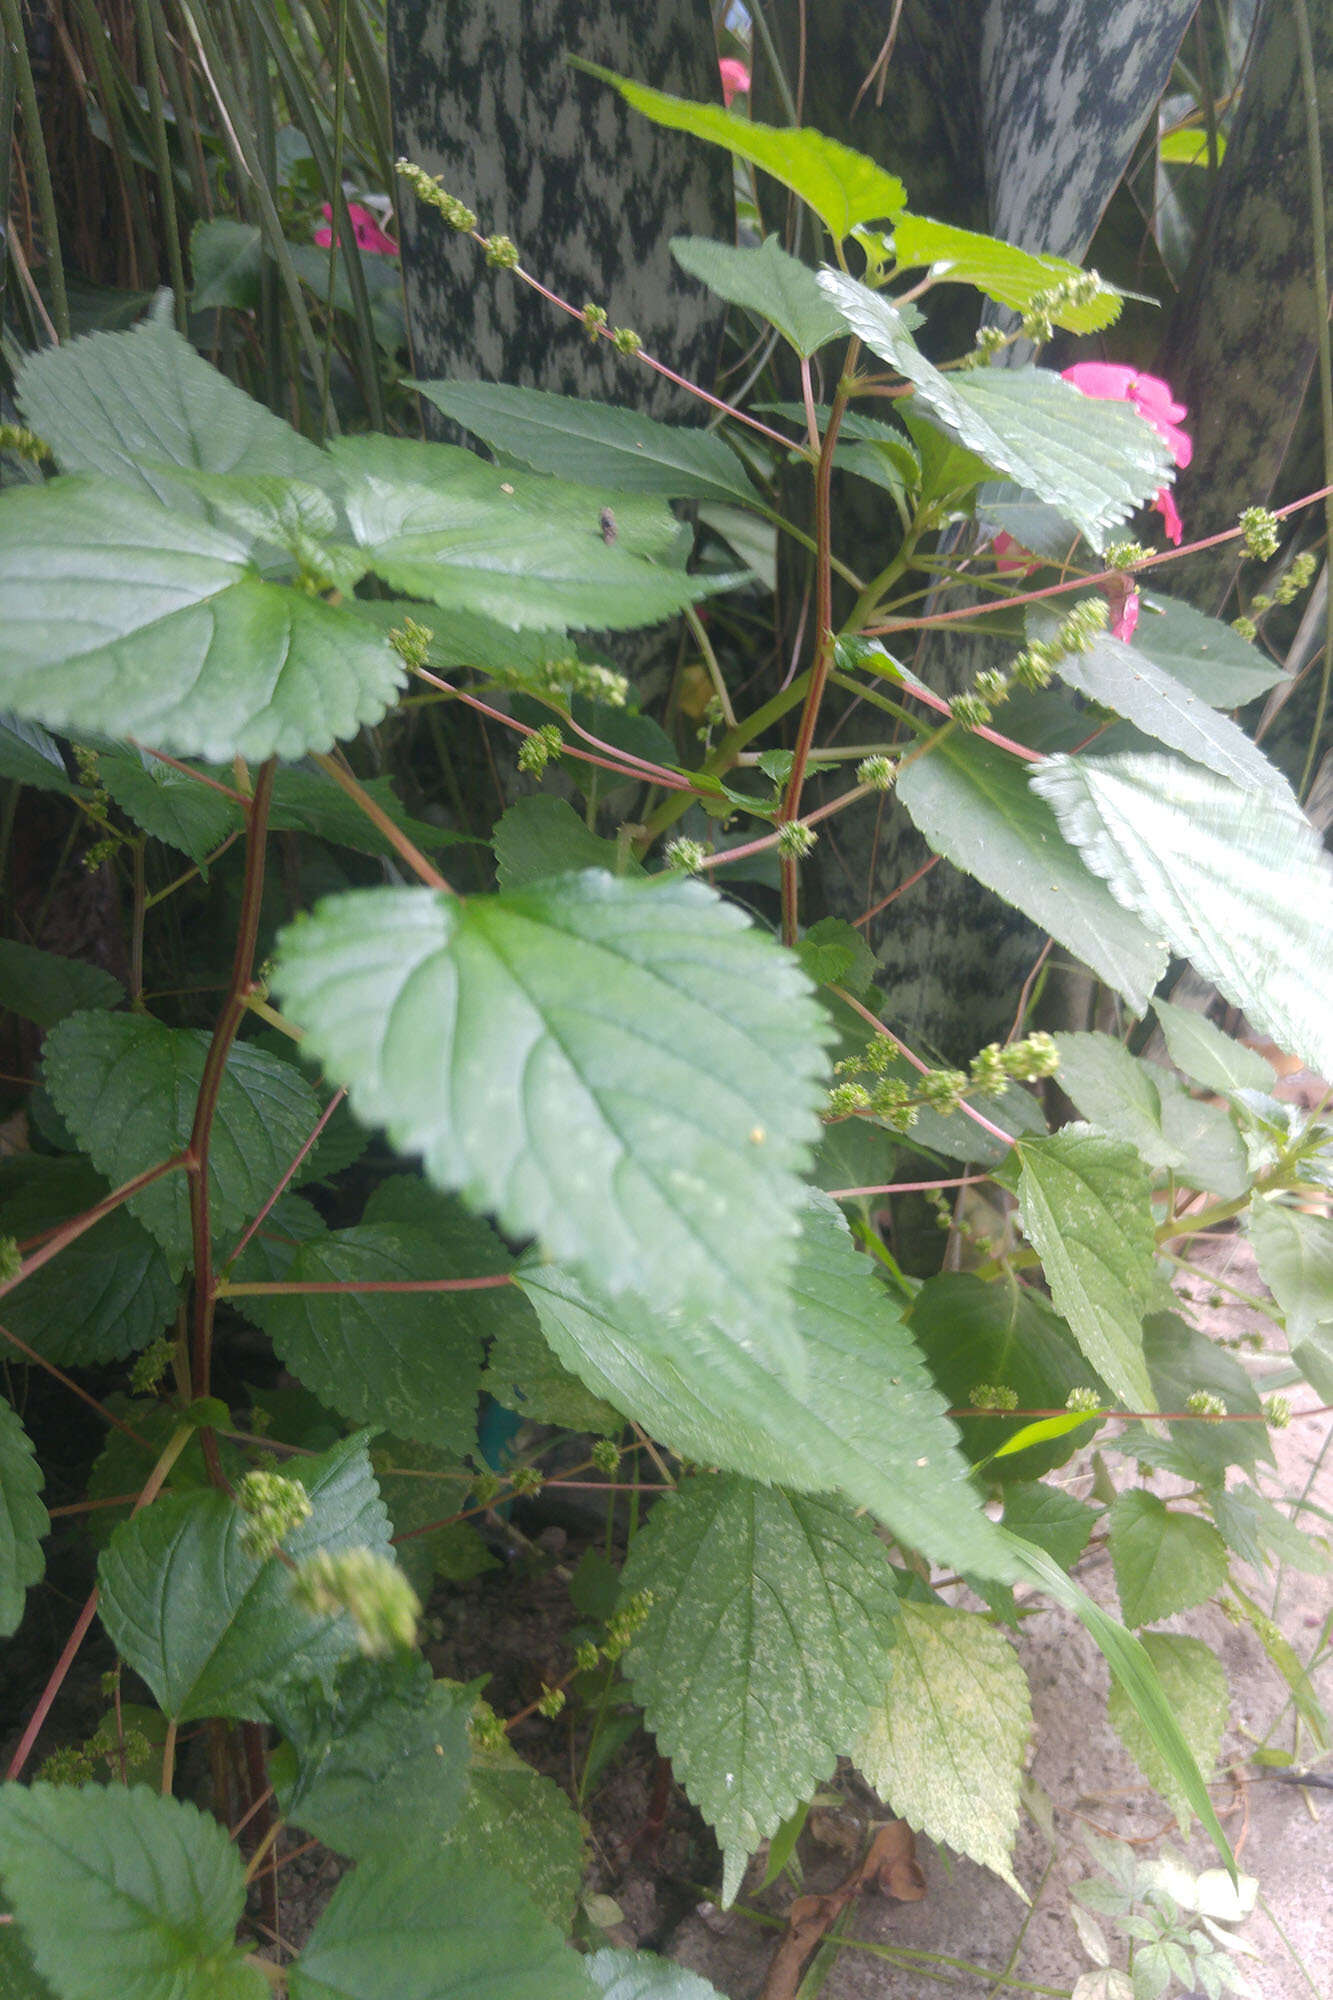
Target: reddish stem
[(279, 1288), (69, 1231), (908, 1187), (894, 894), (285, 1182)]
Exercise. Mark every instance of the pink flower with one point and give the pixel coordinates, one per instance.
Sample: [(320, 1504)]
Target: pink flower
[(735, 79), (365, 228), (1112, 382), (1011, 555), (1123, 598)]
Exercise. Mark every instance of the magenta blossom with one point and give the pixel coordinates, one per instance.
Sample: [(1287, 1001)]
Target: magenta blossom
[(735, 79), (1011, 555), (1121, 594), (1112, 382), (365, 228)]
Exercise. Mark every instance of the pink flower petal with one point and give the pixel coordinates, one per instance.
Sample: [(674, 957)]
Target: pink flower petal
[(1123, 598), (369, 236), (1150, 392), (1165, 504), (1011, 555), (1109, 381), (735, 79), (323, 238)]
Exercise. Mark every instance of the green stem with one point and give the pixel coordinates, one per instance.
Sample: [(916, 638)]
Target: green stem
[(11, 24), (215, 1065), (1310, 91), (166, 186)]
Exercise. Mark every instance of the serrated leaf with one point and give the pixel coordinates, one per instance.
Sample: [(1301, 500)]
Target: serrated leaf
[(641, 1975), (421, 1486), (1094, 461), (23, 1519), (1239, 885), (626, 1070), (1164, 1560), (1204, 654), (165, 803), (1206, 1136), (1295, 1257), (596, 443), (408, 1362), (767, 281), (1054, 1520), (1205, 1054), (766, 1646), (972, 1334), (841, 186), (126, 1460), (435, 1927), (946, 1746), (19, 1977), (1120, 677), (1085, 1206), (1260, 1533), (132, 404), (972, 802), (158, 1887), (521, 1825), (1116, 1093), (516, 547), (1195, 1683), (1010, 276), (108, 1293), (381, 1766), (212, 1630), (127, 1087), (1182, 1360), (41, 986), (524, 1376), (860, 1415), (28, 754), (129, 617), (540, 836)]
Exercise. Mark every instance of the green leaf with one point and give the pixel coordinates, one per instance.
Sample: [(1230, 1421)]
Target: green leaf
[(125, 1462), (1203, 653), (1010, 276), (859, 1415), (381, 1766), (28, 754), (627, 1070), (1260, 1533), (213, 1631), (164, 802), (1237, 884), (1094, 461), (520, 1824), (23, 1519), (842, 187), (1164, 1560), (139, 620), (540, 836), (524, 1376), (1132, 1670), (1182, 1360), (157, 1885), (1205, 1135), (1116, 1093), (765, 1649), (419, 1486), (43, 987), (306, 801), (972, 803), (437, 1926), (127, 1087), (131, 405), (407, 1362), (1295, 1257), (516, 547), (226, 262), (1120, 677), (595, 442), (1004, 1336), (641, 1975), (108, 1293), (946, 1746), (765, 280), (19, 1977), (1054, 1520), (1205, 1054), (1086, 1212)]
